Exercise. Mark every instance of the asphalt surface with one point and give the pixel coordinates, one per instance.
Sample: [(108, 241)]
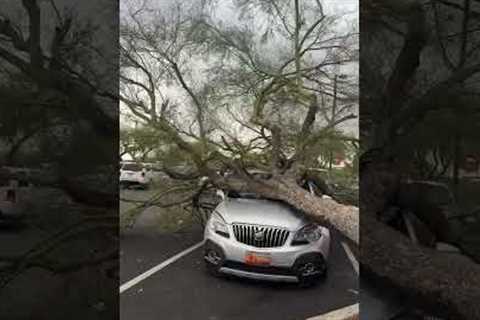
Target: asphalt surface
[(183, 290), (16, 239)]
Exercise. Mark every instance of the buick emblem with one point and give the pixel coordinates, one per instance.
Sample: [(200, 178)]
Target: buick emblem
[(259, 235)]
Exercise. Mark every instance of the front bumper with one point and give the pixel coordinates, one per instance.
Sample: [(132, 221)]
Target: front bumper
[(258, 276), (285, 260)]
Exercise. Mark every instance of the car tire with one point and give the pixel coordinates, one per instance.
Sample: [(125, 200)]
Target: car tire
[(216, 254), (308, 281)]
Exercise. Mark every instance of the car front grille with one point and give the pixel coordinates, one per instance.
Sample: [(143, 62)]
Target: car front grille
[(260, 236)]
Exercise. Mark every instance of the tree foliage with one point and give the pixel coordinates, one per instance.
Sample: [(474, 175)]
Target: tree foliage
[(240, 87)]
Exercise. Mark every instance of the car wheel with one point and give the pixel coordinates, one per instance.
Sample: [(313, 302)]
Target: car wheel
[(311, 271), (213, 260)]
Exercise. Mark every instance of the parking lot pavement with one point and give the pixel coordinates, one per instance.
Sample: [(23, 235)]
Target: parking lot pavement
[(17, 239), (379, 303), (183, 290), (142, 249), (144, 246)]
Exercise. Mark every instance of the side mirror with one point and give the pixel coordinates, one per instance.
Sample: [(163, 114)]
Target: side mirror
[(221, 194)]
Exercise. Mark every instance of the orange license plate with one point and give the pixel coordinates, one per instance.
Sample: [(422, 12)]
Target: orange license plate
[(257, 259)]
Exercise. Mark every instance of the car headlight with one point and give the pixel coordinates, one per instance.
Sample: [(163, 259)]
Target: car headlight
[(307, 234), (218, 225)]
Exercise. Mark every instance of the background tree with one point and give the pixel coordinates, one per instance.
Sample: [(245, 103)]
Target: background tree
[(140, 142)]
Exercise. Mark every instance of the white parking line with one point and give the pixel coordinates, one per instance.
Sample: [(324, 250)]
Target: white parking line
[(347, 313), (351, 256), (157, 268)]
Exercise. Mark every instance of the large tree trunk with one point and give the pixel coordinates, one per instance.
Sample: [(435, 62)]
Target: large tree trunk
[(441, 281)]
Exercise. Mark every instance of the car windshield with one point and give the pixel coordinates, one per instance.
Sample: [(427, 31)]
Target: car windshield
[(243, 195), (132, 167), (247, 195), (251, 195)]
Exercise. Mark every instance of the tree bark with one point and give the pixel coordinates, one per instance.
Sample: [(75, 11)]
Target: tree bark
[(444, 281), (447, 283)]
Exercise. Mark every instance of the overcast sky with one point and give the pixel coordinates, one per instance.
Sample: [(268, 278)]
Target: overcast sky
[(227, 12)]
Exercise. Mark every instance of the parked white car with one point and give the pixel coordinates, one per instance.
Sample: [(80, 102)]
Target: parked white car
[(134, 174)]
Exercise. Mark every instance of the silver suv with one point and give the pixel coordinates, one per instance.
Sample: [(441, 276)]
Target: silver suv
[(263, 239)]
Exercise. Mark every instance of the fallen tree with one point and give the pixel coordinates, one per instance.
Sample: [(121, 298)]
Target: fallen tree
[(385, 253), (281, 187)]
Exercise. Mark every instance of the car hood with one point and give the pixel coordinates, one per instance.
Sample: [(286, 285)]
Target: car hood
[(261, 212)]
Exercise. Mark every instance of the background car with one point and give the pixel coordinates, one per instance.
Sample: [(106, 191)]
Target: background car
[(135, 174)]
